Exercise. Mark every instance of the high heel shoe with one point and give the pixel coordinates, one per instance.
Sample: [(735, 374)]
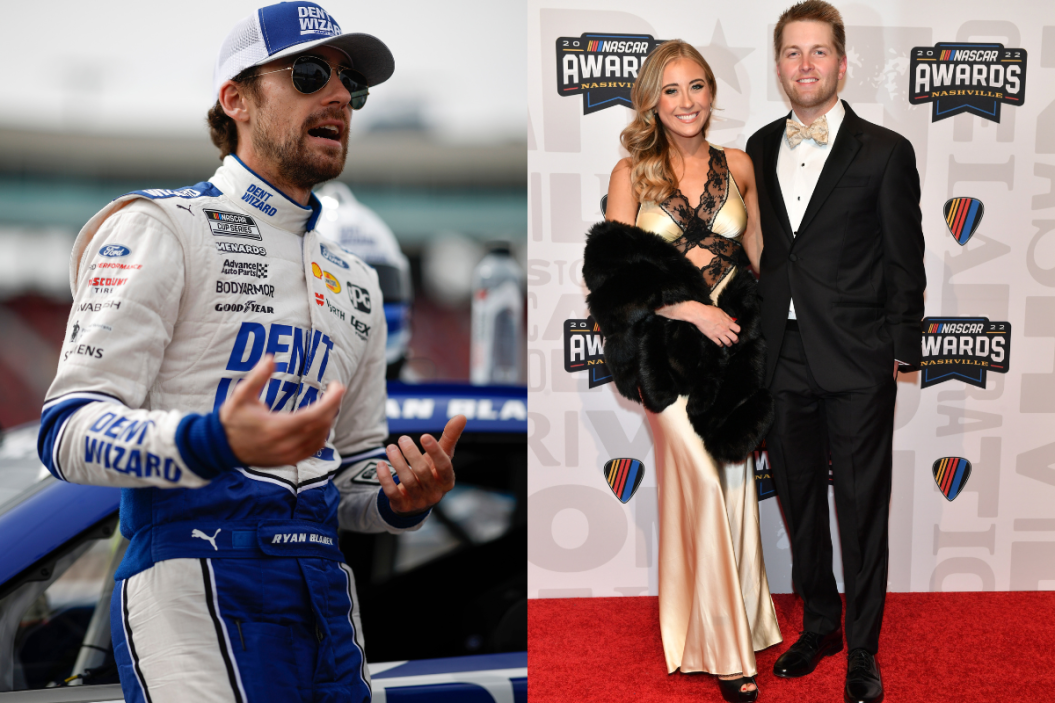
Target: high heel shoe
[(731, 690)]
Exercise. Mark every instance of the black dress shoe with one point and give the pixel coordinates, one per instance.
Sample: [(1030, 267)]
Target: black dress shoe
[(863, 683), (803, 656), (731, 690)]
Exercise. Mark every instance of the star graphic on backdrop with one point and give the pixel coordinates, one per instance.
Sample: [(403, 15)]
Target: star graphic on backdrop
[(723, 58)]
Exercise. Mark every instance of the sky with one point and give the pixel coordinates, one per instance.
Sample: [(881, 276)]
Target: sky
[(119, 67)]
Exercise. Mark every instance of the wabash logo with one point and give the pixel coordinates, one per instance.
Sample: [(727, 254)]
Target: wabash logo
[(951, 474), (964, 349), (601, 67), (584, 351), (963, 77)]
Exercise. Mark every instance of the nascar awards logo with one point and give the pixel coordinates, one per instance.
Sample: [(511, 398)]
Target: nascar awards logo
[(962, 217), (584, 350), (964, 349), (601, 67), (951, 474), (964, 77)]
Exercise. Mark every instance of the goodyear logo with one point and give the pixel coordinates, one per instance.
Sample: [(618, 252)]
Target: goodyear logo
[(951, 474), (964, 349), (601, 67), (967, 77), (623, 477), (962, 217), (584, 351)]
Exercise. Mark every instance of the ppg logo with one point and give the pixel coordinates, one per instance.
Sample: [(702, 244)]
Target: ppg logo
[(114, 250), (360, 298)]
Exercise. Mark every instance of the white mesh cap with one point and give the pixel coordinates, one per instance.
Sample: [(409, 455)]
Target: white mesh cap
[(289, 28)]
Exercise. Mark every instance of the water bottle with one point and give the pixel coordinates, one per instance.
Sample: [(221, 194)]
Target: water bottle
[(497, 319)]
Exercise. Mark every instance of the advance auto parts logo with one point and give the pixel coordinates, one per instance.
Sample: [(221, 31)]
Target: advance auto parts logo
[(974, 78), (601, 67), (964, 349), (584, 350)]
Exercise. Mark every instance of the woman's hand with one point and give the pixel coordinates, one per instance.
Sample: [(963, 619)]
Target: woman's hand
[(710, 320)]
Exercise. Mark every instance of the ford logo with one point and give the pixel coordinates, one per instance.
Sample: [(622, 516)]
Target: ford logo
[(115, 250)]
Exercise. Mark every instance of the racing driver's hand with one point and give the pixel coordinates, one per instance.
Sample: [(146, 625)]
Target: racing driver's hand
[(423, 478), (259, 437)]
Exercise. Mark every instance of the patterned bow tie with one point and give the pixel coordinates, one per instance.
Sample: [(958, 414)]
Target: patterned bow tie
[(818, 132)]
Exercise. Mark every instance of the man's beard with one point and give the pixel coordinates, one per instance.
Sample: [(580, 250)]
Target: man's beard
[(819, 98), (293, 161)]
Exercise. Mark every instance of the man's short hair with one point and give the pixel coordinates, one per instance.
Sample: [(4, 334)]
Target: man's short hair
[(222, 129), (812, 11)]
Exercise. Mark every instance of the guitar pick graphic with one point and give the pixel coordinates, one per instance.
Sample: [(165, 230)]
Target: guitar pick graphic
[(963, 215), (951, 474), (624, 476)]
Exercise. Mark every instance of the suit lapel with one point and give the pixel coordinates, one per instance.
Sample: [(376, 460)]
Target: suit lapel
[(844, 150), (770, 150)]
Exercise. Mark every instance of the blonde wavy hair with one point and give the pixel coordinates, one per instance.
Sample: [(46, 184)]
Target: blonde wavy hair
[(651, 170)]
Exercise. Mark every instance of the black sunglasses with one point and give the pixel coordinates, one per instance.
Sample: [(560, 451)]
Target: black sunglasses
[(311, 74)]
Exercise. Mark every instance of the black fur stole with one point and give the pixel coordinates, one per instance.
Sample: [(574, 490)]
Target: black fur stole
[(631, 273)]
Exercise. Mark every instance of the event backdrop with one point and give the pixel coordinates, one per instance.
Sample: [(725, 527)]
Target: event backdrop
[(972, 86)]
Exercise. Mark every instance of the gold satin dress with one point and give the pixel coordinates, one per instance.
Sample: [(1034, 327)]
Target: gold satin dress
[(715, 609)]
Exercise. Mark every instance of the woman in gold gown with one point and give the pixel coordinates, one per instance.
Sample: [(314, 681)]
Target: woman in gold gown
[(715, 609)]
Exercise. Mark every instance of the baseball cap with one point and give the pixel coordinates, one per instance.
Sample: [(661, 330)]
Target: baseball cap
[(289, 28)]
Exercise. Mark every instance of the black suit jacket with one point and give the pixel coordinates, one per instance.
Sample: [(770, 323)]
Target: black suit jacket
[(855, 267)]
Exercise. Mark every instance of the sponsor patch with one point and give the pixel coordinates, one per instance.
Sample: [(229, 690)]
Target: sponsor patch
[(320, 299), (951, 474), (239, 248), (246, 307), (316, 270), (245, 288), (584, 351), (114, 250), (624, 476), (256, 269), (96, 307), (331, 257), (967, 77), (115, 265), (359, 296), (83, 350), (601, 67), (232, 224), (258, 197), (368, 474), (962, 217), (964, 349), (331, 282)]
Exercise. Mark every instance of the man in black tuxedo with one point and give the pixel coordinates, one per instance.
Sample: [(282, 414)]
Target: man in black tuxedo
[(842, 282)]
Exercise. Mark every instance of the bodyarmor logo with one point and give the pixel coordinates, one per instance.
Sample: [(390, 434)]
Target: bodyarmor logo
[(360, 297), (961, 77), (601, 67), (624, 476), (962, 216), (232, 224), (964, 349), (951, 474), (584, 350)]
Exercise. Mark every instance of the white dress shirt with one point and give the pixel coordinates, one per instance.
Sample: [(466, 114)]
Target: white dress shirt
[(799, 169)]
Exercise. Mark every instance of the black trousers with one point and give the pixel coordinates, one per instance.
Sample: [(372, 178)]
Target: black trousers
[(857, 427)]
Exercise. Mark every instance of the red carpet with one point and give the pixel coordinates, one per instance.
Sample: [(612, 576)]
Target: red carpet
[(961, 647)]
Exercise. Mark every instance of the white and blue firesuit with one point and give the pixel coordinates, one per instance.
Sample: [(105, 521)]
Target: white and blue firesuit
[(233, 586)]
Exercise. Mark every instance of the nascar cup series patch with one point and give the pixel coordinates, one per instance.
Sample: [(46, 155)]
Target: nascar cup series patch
[(624, 476), (951, 474), (232, 224), (962, 217)]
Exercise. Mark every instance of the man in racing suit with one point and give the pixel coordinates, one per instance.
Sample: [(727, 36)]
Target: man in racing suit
[(225, 367)]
